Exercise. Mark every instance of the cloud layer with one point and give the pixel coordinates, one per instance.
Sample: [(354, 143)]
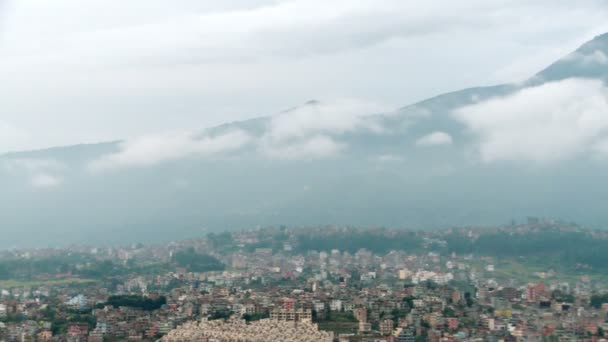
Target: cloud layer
[(315, 147), (310, 131), (273, 29), (548, 123), (155, 149), (67, 67), (336, 117), (435, 139), (40, 173)]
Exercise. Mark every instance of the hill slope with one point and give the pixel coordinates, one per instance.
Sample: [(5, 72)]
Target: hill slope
[(459, 158)]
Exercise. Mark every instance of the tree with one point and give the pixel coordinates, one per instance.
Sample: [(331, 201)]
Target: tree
[(139, 302), (195, 262)]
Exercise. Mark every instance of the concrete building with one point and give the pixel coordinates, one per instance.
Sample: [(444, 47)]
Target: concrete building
[(291, 315), (386, 327)]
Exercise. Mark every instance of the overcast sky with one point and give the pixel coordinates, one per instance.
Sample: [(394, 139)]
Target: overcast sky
[(74, 71)]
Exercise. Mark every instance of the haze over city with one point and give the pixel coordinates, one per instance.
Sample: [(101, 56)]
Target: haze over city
[(303, 171)]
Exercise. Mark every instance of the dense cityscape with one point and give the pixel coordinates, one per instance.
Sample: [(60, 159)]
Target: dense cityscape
[(272, 285)]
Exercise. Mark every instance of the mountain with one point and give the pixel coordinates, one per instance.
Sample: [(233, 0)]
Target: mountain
[(590, 60), (477, 156)]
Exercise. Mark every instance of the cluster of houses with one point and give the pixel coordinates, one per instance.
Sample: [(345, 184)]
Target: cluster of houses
[(269, 294)]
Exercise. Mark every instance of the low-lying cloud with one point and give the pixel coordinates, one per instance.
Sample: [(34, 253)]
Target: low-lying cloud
[(597, 57), (548, 123), (435, 139), (316, 147), (155, 149), (40, 173), (388, 158), (337, 117), (203, 55), (310, 131), (43, 180)]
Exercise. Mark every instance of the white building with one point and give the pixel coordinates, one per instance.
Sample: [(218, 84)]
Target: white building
[(335, 305)]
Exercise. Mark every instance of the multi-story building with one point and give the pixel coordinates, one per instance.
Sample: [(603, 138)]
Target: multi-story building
[(291, 315), (360, 314), (365, 327), (386, 327)]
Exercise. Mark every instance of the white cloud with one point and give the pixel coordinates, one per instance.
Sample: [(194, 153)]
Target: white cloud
[(548, 123), (41, 173), (43, 180), (155, 149), (597, 57), (233, 60), (338, 117), (277, 28), (119, 33), (435, 139), (309, 131), (316, 147), (301, 133), (32, 165), (389, 158)]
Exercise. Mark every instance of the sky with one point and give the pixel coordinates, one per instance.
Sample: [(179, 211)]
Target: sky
[(81, 72)]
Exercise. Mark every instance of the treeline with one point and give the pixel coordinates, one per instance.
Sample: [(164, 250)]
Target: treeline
[(274, 241), (568, 247), (220, 240), (101, 269), (255, 316), (598, 299), (352, 241), (78, 264), (139, 302), (195, 262), (517, 244), (26, 268), (61, 320)]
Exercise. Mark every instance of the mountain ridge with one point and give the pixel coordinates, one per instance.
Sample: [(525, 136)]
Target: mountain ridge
[(416, 166), (599, 42)]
